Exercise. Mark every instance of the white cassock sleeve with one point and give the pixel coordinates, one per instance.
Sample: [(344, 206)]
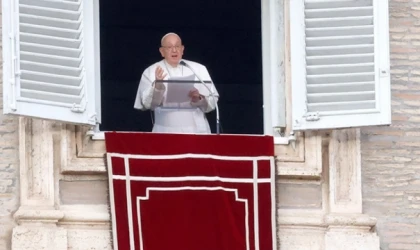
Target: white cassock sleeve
[(210, 99), (148, 97)]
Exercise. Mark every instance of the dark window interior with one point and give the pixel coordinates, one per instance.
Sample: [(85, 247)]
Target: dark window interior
[(225, 36)]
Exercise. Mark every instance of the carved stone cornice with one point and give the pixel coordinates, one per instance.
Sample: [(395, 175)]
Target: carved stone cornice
[(79, 153), (27, 215), (306, 161)]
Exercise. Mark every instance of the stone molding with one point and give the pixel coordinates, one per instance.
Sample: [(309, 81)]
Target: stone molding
[(50, 151)]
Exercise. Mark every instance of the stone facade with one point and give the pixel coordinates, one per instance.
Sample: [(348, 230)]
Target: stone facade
[(319, 185), (391, 155), (9, 177), (9, 173)]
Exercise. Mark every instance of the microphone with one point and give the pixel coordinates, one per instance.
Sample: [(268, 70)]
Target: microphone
[(183, 63)]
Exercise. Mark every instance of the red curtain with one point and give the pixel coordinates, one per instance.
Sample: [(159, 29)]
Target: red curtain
[(189, 192)]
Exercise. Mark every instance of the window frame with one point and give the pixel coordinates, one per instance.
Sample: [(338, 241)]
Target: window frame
[(273, 65), (273, 61)]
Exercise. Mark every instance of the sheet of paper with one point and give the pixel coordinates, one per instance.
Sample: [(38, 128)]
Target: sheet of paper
[(178, 92)]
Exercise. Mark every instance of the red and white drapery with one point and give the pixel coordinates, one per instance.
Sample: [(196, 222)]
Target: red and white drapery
[(191, 192)]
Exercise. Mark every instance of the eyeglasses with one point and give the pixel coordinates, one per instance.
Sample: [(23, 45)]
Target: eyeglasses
[(169, 48)]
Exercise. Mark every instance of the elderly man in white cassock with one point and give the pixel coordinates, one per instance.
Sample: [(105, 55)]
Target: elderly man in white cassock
[(190, 117)]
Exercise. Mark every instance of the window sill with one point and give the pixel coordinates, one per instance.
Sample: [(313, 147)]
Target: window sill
[(97, 136), (278, 140)]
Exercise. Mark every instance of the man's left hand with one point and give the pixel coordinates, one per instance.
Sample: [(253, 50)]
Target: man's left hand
[(194, 95)]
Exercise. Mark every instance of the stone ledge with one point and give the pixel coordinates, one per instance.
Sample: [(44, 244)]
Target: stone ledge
[(318, 219), (82, 214), (357, 220), (301, 220), (38, 215)]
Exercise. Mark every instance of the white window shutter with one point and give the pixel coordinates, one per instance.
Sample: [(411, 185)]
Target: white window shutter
[(49, 61), (340, 63)]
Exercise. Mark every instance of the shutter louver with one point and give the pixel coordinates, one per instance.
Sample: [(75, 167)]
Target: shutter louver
[(51, 52), (51, 68), (340, 68), (334, 32)]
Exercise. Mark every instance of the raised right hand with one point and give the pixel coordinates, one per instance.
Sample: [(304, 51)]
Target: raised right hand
[(160, 75)]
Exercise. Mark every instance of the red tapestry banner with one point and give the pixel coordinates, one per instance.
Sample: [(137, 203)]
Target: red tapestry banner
[(191, 192)]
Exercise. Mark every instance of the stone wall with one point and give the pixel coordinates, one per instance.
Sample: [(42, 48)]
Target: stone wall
[(9, 172), (391, 155)]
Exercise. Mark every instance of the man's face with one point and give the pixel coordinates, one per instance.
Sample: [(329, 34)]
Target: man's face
[(172, 49)]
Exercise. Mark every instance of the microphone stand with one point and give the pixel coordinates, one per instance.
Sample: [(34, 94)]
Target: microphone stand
[(183, 63)]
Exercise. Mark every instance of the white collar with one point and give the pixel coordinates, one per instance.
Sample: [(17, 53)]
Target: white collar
[(178, 67)]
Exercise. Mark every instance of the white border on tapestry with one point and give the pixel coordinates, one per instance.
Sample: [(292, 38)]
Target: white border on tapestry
[(194, 188)]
